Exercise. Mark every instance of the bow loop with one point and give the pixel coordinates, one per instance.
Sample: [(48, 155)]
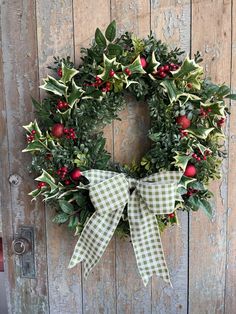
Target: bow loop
[(109, 195)]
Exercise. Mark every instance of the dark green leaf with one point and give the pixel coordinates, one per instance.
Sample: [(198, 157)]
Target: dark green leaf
[(73, 222), (231, 96), (110, 32), (114, 50), (60, 218), (100, 39), (66, 206)]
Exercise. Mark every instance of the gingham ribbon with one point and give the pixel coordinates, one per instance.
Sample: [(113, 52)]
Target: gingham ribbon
[(110, 192)]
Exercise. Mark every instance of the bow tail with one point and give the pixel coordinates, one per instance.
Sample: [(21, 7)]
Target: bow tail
[(146, 241), (94, 239)]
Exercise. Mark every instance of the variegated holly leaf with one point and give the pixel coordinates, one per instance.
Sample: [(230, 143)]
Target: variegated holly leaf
[(67, 73), (75, 95), (185, 181), (200, 132), (217, 108), (54, 86), (35, 193), (108, 65), (181, 160), (33, 126), (153, 64), (135, 66), (188, 66), (47, 178), (35, 146)]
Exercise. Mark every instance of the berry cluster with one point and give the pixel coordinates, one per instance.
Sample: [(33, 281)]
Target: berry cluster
[(205, 112), (41, 185), (183, 133), (62, 172), (62, 104), (164, 70), (199, 156), (70, 133), (221, 122), (128, 71), (30, 137)]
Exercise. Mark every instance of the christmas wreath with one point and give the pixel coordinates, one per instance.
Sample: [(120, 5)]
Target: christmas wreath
[(187, 113)]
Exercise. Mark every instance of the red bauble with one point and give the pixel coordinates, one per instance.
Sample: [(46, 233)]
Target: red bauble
[(190, 171), (143, 62), (58, 130), (75, 174), (184, 122)]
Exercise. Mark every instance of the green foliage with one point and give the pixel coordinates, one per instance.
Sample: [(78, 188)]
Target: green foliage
[(93, 97)]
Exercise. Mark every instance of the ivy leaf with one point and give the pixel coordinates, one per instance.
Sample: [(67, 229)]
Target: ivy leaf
[(100, 39), (75, 94), (67, 73), (231, 96), (66, 206), (223, 91), (110, 32), (60, 218), (200, 132), (54, 86), (114, 50), (47, 178), (182, 160)]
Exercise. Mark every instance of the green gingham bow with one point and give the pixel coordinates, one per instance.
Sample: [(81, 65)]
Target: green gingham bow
[(110, 192)]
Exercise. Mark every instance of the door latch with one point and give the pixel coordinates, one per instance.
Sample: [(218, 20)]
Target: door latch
[(23, 246)]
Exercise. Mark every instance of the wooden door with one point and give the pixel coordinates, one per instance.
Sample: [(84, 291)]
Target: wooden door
[(200, 254)]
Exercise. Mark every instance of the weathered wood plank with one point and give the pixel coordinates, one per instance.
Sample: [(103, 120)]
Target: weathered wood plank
[(230, 289), (130, 143), (170, 22), (99, 295), (20, 72), (55, 38), (211, 34)]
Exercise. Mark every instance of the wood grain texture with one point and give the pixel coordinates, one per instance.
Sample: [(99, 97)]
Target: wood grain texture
[(208, 238), (55, 38), (170, 22), (20, 72), (99, 290), (230, 288), (130, 143)]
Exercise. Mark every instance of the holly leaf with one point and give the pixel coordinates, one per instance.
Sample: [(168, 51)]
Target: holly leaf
[(109, 64), (182, 160), (185, 181), (54, 86), (135, 66), (100, 39), (200, 132), (66, 206), (67, 73), (35, 193), (231, 96), (60, 218), (186, 68), (75, 95), (47, 178), (110, 32), (33, 126), (34, 146), (217, 108), (171, 90), (152, 63), (202, 148)]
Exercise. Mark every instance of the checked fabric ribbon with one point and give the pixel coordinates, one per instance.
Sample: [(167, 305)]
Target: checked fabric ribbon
[(110, 192)]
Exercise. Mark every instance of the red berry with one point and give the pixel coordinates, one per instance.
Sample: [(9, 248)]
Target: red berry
[(41, 185), (161, 69), (33, 132), (162, 74), (189, 85), (64, 169), (108, 85), (183, 121), (190, 171), (58, 130), (104, 90), (60, 106), (66, 131), (128, 71), (204, 157), (75, 174), (143, 62), (59, 72), (166, 68), (198, 159), (67, 182), (194, 155), (111, 73), (172, 215)]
